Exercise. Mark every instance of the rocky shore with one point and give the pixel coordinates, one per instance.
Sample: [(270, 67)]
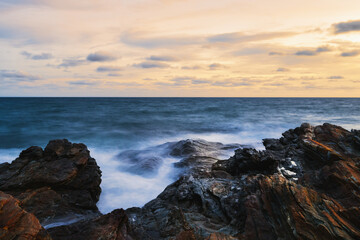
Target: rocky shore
[(305, 185)]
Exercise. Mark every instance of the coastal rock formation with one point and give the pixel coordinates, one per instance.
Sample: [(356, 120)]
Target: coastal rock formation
[(305, 185), (60, 182), (15, 223)]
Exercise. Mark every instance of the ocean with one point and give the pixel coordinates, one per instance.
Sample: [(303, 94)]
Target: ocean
[(113, 126)]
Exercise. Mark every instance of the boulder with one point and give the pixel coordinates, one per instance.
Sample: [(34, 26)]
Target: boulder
[(60, 181)]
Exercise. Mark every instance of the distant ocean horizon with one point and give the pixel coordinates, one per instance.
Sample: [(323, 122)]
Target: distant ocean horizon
[(112, 125)]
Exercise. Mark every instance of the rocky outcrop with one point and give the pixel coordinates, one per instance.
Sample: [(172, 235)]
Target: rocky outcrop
[(60, 182), (305, 185), (16, 223)]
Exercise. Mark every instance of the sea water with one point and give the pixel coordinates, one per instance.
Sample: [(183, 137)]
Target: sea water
[(110, 126)]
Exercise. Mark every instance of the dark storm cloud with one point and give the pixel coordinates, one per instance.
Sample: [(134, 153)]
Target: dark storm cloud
[(344, 27)]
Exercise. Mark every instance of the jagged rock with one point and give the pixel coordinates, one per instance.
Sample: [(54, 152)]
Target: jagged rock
[(60, 181), (112, 226), (16, 223), (303, 186)]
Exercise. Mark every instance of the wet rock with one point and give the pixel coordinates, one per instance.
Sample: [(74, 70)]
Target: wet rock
[(61, 180), (16, 223), (303, 186), (112, 226)]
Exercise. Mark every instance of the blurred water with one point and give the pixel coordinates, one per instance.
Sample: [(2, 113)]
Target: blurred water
[(111, 125)]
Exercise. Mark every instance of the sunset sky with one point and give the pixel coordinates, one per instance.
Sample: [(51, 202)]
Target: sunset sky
[(203, 48)]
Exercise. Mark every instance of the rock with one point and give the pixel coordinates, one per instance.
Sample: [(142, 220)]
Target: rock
[(60, 181), (303, 186), (197, 156), (16, 223), (112, 226)]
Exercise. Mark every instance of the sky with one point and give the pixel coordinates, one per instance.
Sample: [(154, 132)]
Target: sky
[(180, 48)]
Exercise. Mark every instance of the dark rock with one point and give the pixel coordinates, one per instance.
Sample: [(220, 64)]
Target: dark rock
[(112, 226), (61, 181), (303, 186)]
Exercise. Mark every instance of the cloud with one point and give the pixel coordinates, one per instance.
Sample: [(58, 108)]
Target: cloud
[(344, 27), (83, 83), (142, 40), (306, 53), (313, 52), (232, 83), (200, 81), (350, 54), (250, 51), (323, 49), (71, 62), (241, 37), (281, 69), (151, 65), (180, 81), (216, 66), (162, 58), (18, 76), (114, 75), (41, 56), (275, 53), (100, 57), (335, 77), (191, 67), (108, 69)]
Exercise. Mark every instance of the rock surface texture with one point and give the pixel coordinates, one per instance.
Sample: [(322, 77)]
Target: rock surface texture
[(305, 185), (61, 181), (15, 223)]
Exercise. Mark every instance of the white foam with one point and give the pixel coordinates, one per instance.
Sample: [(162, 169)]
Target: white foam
[(122, 189), (8, 155)]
